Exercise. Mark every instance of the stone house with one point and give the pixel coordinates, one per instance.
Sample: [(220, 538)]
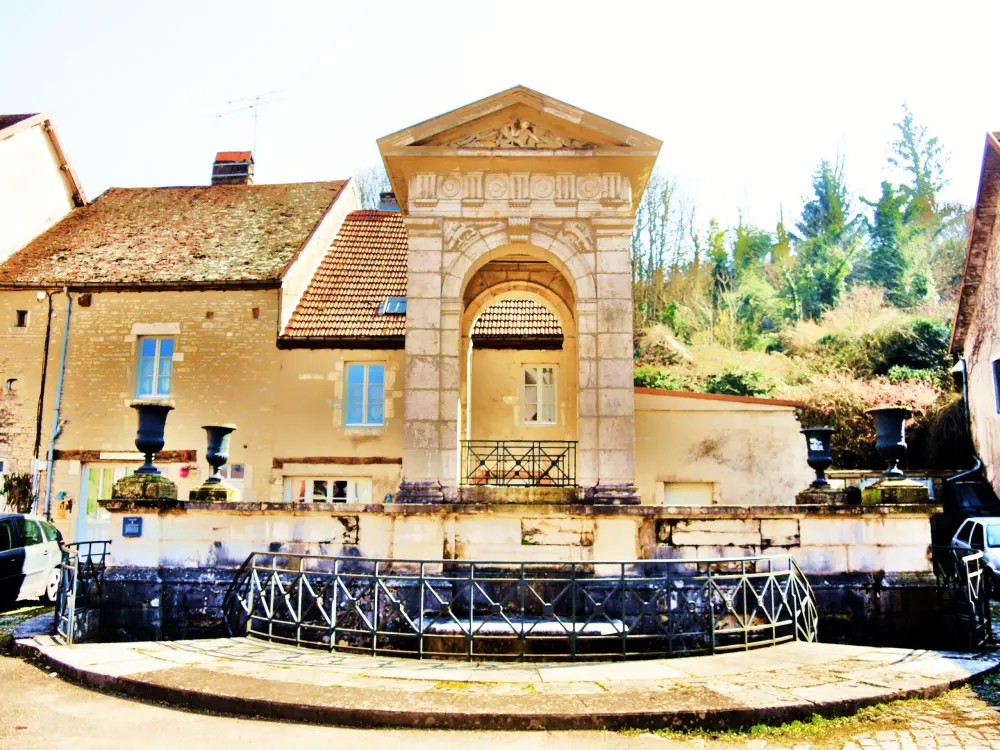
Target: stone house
[(974, 335)]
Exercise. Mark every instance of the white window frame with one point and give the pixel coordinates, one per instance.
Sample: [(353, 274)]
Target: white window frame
[(539, 379), (354, 496), (364, 389), (157, 359)]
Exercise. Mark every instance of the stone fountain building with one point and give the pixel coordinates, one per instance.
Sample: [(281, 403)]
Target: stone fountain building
[(447, 377)]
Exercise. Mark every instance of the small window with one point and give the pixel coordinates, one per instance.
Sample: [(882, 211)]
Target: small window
[(328, 490), (2, 466), (996, 383), (393, 306), (365, 395), (538, 395), (977, 538), (22, 318), (255, 313), (155, 367)]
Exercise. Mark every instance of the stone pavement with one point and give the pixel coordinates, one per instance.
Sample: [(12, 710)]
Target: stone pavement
[(251, 677)]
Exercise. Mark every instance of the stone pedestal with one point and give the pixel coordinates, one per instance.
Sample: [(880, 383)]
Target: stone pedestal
[(213, 493), (144, 487), (426, 492), (615, 494), (828, 496), (895, 492)]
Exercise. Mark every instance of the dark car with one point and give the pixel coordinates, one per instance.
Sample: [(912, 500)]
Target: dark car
[(30, 553)]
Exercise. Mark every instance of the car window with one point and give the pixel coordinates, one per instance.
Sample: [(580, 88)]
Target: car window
[(963, 533), (977, 537), (52, 533), (30, 531), (6, 536), (993, 535)]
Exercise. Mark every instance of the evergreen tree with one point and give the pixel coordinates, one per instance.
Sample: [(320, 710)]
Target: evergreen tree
[(887, 264), (828, 241)]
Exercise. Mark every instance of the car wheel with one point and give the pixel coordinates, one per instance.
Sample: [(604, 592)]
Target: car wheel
[(51, 587)]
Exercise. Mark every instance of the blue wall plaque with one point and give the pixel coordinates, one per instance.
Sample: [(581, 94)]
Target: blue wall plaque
[(132, 526)]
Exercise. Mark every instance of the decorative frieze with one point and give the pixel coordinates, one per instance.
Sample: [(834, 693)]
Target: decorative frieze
[(518, 133), (520, 189)]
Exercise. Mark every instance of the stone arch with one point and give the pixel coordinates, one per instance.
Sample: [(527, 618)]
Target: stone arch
[(482, 249)]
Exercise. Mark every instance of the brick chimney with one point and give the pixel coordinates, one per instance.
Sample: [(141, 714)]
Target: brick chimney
[(233, 168)]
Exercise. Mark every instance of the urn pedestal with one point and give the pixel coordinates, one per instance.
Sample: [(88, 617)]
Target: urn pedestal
[(217, 455), (147, 483), (890, 442)]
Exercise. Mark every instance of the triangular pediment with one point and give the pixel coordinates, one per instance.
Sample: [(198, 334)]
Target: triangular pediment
[(516, 131), (520, 118), (520, 127)]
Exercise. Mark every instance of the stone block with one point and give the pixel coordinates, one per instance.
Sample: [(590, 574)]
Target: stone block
[(615, 346), (421, 405), (907, 558), (824, 559), (616, 539), (829, 496), (614, 261), (144, 487), (487, 529), (865, 558), (213, 493), (614, 285), (615, 373), (781, 532), (616, 467), (715, 538), (867, 529), (557, 531), (895, 492), (422, 285), (423, 341), (616, 402)]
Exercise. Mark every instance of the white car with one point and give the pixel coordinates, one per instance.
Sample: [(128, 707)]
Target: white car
[(983, 535), (30, 553)]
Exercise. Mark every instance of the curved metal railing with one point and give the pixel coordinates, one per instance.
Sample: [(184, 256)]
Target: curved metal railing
[(965, 588), (515, 610), (81, 586)]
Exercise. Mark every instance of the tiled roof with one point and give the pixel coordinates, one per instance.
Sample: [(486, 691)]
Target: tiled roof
[(516, 317), (365, 265), (167, 236), (7, 120)]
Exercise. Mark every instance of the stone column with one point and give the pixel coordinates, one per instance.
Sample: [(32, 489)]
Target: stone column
[(431, 375), (615, 408)]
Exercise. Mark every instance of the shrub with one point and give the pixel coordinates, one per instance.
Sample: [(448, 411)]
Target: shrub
[(902, 374), (18, 493), (654, 377), (741, 381)]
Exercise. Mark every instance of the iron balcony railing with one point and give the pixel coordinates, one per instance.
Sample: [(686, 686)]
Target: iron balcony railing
[(526, 611), (965, 588), (81, 584), (519, 463)]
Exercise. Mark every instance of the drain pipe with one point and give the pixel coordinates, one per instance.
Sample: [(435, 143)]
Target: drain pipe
[(56, 428), (968, 424)]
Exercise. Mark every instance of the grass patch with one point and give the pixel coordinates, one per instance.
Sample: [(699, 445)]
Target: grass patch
[(14, 617)]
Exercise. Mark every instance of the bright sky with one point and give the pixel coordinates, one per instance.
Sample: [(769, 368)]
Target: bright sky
[(747, 97)]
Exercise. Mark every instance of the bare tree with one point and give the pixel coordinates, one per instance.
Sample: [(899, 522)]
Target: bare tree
[(370, 182)]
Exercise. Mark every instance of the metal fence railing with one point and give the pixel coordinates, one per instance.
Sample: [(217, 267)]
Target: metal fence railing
[(519, 463), (965, 588), (81, 585), (515, 610)]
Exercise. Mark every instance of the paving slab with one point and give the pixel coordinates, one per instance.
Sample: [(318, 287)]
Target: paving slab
[(253, 677)]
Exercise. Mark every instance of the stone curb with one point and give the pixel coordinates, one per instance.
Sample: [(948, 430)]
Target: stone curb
[(456, 718)]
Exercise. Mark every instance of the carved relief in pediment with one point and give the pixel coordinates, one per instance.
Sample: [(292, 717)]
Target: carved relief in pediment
[(518, 133)]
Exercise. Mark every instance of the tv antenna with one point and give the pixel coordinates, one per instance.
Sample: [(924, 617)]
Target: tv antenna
[(253, 104)]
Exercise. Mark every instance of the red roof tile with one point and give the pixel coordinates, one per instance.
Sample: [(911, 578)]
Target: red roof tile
[(516, 317), (365, 265), (163, 236)]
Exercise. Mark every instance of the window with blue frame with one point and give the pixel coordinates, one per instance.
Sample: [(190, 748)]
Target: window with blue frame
[(365, 395), (156, 359)]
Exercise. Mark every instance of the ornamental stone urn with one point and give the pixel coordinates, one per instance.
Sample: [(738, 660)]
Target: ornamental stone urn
[(890, 436), (217, 455), (890, 442), (147, 484), (818, 454)]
